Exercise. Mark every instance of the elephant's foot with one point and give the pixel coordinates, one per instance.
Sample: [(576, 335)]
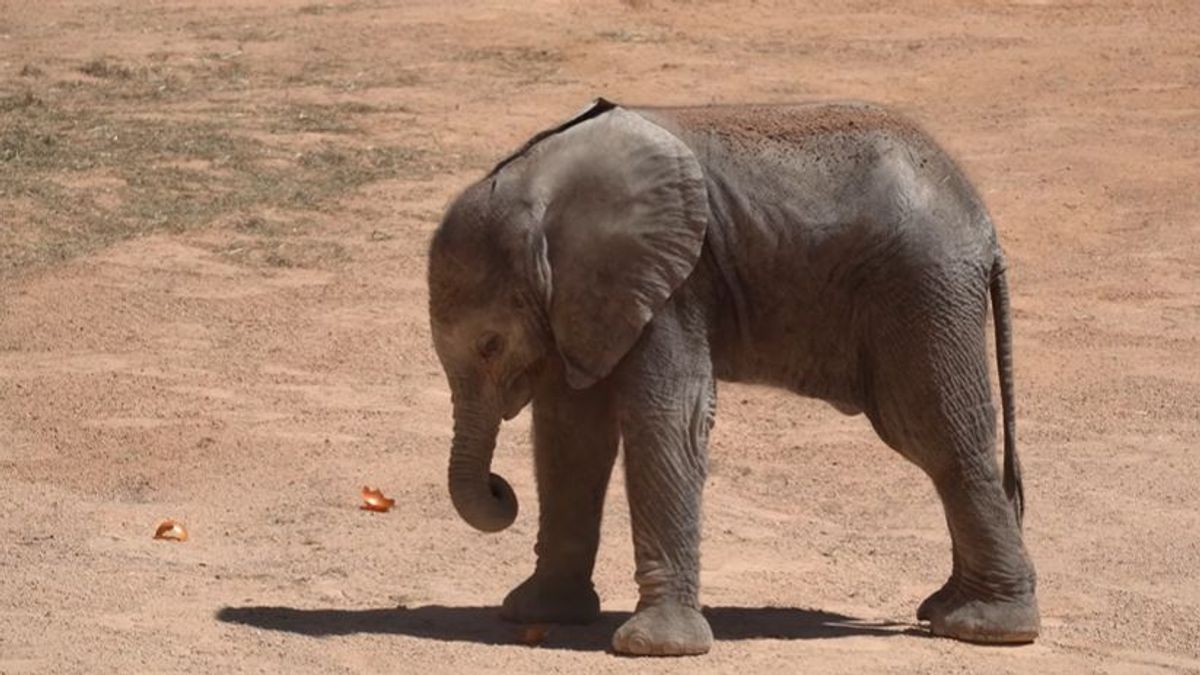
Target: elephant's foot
[(540, 599), (668, 629), (953, 613), (925, 609)]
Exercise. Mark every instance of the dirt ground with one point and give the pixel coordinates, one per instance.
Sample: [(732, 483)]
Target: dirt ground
[(213, 224)]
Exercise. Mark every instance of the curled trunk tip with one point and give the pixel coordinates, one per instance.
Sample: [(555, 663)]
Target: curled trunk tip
[(483, 499), (490, 510)]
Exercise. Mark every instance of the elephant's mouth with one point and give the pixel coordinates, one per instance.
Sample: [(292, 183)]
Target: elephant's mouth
[(517, 394)]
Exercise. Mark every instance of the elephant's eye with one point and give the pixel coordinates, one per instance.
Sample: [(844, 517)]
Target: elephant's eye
[(489, 345)]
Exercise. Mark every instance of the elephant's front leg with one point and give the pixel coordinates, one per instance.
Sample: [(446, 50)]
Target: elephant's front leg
[(575, 442), (665, 426)]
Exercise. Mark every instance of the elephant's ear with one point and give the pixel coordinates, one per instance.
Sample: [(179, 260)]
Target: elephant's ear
[(623, 207)]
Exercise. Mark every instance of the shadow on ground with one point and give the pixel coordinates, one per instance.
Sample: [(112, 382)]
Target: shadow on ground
[(483, 624)]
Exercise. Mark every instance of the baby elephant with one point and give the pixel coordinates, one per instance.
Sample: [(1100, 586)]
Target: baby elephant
[(617, 265)]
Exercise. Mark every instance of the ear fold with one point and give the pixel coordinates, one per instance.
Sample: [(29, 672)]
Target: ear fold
[(623, 208)]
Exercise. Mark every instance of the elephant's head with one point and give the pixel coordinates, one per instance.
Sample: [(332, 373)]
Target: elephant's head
[(564, 251)]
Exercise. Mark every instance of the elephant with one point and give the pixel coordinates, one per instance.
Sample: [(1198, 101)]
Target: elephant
[(616, 266)]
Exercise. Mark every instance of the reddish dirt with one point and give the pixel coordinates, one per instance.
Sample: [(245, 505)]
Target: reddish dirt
[(246, 363)]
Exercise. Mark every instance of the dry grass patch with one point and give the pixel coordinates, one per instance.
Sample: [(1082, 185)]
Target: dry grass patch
[(174, 172)]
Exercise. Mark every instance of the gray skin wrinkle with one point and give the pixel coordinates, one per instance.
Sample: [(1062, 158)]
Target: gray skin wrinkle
[(832, 250)]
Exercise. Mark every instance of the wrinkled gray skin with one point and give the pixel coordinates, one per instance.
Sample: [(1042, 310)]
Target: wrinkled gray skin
[(618, 265)]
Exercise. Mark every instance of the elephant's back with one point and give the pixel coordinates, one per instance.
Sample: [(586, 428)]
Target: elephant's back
[(827, 169), (797, 124)]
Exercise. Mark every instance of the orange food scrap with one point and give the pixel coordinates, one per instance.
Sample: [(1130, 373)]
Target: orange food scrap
[(373, 500), (170, 531), (534, 635)]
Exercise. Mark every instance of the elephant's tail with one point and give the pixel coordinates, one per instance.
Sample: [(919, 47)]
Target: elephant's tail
[(1001, 316)]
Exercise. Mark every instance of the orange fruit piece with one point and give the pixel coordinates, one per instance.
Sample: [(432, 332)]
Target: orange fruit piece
[(534, 635), (170, 530), (373, 500)]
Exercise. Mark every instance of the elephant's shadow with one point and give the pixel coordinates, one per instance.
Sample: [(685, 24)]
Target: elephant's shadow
[(483, 625)]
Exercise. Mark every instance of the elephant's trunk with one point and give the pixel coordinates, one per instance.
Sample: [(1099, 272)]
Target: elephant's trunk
[(483, 499)]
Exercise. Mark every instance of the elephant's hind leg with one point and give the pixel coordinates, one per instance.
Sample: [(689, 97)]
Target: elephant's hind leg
[(933, 405), (575, 441)]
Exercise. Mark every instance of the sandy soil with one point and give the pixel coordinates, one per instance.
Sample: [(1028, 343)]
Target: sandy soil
[(213, 220)]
